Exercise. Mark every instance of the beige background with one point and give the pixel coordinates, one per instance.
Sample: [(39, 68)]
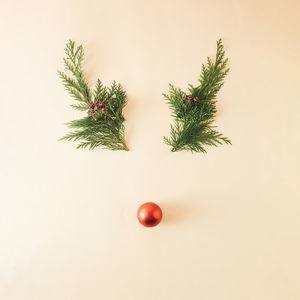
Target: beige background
[(68, 227)]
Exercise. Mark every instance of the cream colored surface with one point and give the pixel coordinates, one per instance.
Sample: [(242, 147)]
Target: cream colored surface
[(68, 227)]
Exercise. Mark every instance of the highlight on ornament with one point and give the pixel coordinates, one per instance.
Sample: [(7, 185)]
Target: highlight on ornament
[(149, 214), (194, 111), (103, 123)]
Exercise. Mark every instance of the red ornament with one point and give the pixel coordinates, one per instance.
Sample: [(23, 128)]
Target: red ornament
[(149, 214)]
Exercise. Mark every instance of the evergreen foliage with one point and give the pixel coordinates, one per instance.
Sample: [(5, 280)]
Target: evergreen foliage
[(103, 125), (194, 112)]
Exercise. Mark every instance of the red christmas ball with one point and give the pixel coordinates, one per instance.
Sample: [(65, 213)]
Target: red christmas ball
[(149, 214)]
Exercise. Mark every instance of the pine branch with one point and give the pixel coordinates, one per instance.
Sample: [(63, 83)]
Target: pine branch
[(194, 112), (103, 126)]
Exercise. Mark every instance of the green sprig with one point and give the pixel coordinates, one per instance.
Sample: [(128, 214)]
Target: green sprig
[(194, 112), (103, 126)]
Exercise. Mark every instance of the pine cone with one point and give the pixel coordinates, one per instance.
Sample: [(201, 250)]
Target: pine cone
[(98, 107)]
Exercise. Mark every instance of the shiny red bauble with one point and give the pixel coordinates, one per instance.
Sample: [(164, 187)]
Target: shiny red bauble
[(149, 214)]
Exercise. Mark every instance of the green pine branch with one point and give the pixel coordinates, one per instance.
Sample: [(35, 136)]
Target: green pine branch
[(194, 112), (103, 125)]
